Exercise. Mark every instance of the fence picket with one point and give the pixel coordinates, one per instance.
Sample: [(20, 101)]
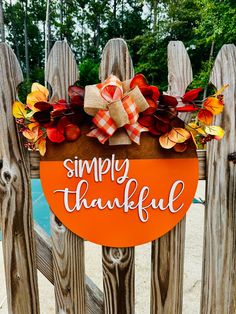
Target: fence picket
[(180, 73), (118, 264), (15, 197), (219, 261), (67, 248), (168, 251)]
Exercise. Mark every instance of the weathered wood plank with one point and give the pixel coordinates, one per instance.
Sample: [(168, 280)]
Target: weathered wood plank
[(180, 73), (61, 70), (94, 304), (35, 158), (219, 262), (118, 264), (116, 60), (67, 248), (15, 197), (168, 251), (69, 269)]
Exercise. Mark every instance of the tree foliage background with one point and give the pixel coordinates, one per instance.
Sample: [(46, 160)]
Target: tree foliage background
[(147, 26)]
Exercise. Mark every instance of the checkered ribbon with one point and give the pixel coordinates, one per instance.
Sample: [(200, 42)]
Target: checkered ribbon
[(119, 111)]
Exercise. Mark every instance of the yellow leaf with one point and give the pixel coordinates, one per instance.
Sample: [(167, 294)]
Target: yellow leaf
[(178, 135), (195, 129), (215, 130), (219, 92), (42, 146), (31, 126), (18, 110), (34, 97), (38, 87), (165, 142), (214, 105)]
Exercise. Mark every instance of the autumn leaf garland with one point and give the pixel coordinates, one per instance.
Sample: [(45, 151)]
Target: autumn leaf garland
[(60, 121), (159, 118), (38, 119)]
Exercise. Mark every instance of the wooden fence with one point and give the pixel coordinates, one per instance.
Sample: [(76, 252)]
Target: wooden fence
[(26, 247)]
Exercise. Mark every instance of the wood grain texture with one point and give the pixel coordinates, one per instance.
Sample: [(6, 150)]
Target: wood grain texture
[(168, 251), (118, 264), (15, 197), (68, 249), (180, 73), (94, 304), (69, 270), (219, 261), (35, 159), (116, 60), (65, 71)]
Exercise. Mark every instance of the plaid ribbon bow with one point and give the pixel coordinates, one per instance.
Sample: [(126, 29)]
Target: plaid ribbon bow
[(115, 109)]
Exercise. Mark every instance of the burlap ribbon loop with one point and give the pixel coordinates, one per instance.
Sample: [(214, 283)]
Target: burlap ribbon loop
[(113, 109)]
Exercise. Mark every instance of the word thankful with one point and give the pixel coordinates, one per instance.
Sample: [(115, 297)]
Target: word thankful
[(132, 197)]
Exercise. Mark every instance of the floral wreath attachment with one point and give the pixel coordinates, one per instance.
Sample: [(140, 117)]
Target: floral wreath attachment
[(121, 111), (40, 119)]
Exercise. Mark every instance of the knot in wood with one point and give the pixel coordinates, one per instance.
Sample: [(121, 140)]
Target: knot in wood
[(115, 255), (232, 157), (7, 176)]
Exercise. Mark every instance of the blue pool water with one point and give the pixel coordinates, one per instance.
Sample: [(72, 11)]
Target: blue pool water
[(41, 211)]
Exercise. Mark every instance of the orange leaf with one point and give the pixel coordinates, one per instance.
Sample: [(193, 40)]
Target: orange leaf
[(38, 87), (205, 116), (42, 146), (180, 147), (179, 135), (30, 135), (193, 137), (32, 125), (18, 110), (165, 142), (34, 97), (214, 105)]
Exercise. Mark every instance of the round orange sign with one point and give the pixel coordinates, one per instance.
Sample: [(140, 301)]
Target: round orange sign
[(119, 202)]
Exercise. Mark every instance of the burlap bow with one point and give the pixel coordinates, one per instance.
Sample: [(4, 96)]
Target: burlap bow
[(115, 106)]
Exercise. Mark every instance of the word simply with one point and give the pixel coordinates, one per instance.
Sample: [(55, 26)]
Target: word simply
[(118, 171)]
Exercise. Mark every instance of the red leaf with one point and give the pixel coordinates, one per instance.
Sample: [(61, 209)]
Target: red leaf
[(76, 101), (162, 127), (42, 116), (187, 108), (75, 91), (168, 101), (150, 92), (155, 93), (60, 105), (54, 135), (154, 131), (191, 95), (151, 102), (72, 132), (149, 111), (146, 121), (205, 116), (138, 80), (63, 122), (43, 105)]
